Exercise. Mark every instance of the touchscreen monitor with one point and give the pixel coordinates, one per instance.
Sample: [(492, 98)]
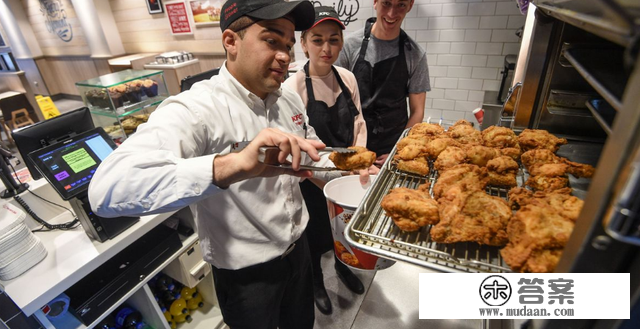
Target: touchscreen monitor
[(49, 132), (70, 164)]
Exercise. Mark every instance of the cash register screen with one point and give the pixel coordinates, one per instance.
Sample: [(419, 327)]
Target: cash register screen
[(70, 164)]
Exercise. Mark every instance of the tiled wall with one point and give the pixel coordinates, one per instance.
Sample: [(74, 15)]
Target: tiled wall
[(466, 41)]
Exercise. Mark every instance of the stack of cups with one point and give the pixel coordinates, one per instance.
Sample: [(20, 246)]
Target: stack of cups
[(20, 249)]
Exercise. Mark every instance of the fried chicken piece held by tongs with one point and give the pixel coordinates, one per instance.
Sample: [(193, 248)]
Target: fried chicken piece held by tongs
[(362, 159)]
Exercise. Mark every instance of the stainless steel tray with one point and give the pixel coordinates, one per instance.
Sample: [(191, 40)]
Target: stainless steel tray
[(374, 232)]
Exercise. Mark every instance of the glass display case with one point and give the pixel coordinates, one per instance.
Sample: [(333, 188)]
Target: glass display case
[(121, 101)]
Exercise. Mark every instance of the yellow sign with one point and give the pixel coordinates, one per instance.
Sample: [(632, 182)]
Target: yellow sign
[(47, 107)]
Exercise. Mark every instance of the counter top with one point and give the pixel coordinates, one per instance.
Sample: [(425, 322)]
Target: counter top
[(126, 60), (8, 94), (170, 66), (71, 254)]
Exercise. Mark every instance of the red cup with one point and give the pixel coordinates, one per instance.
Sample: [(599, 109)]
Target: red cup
[(479, 114)]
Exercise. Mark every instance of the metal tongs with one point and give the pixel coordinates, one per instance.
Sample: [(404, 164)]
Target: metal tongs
[(269, 156)]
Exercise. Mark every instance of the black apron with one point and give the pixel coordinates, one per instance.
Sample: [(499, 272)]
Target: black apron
[(334, 126), (383, 93)]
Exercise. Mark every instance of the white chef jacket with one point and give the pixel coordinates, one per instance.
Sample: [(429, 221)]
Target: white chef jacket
[(167, 165)]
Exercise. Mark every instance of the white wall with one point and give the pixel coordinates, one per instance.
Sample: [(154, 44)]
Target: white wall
[(465, 40), (49, 42), (142, 32)]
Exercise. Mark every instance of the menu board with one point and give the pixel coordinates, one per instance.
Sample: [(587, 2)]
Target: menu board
[(178, 18)]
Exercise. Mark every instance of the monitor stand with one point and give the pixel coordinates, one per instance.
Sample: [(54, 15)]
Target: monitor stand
[(96, 227), (13, 187)]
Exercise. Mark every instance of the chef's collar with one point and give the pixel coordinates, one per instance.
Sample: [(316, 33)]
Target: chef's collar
[(247, 96)]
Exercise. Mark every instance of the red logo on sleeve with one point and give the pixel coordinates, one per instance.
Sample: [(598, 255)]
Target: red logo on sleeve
[(298, 119)]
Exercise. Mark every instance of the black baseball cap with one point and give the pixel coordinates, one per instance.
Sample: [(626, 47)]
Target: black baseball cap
[(326, 13), (301, 11)]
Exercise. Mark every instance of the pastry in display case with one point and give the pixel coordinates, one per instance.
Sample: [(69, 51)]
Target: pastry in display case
[(120, 129), (121, 101)]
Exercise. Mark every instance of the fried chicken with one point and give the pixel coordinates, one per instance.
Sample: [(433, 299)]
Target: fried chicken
[(410, 209), (459, 179), (545, 183), (479, 155), (426, 187), (541, 261), (545, 156), (548, 169), (410, 152), (518, 197), (579, 169), (436, 146), (418, 166), (500, 137), (567, 205), (530, 139), (512, 152), (507, 179), (462, 122), (426, 129), (502, 171), (502, 164), (548, 172), (561, 200), (538, 227), (532, 157), (362, 159), (450, 157), (536, 234), (410, 140), (464, 133), (475, 216)]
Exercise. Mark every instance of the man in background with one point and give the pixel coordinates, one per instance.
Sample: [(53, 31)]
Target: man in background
[(390, 67)]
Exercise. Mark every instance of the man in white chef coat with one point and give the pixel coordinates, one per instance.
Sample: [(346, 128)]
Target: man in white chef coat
[(250, 217)]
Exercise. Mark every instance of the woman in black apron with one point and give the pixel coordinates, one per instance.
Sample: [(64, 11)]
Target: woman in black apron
[(339, 125)]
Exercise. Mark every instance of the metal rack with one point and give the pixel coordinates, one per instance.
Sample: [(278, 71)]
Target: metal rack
[(374, 232)]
